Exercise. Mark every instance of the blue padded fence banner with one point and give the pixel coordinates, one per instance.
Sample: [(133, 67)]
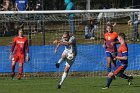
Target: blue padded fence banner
[(89, 58)]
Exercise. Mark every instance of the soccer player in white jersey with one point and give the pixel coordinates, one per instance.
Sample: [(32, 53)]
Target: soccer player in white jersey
[(68, 54)]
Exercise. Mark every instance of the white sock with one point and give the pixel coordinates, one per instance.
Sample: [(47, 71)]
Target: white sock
[(63, 78), (60, 60)]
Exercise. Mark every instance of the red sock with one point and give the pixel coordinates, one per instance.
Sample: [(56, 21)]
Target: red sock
[(20, 70), (13, 69)]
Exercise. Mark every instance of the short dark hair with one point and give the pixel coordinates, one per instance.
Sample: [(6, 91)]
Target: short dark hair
[(66, 33), (19, 28), (110, 25), (122, 35)]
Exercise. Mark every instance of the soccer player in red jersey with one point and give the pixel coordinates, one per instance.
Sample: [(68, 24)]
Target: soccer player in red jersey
[(19, 52), (122, 57), (110, 44)]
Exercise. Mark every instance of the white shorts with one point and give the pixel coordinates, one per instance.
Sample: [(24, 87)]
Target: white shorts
[(69, 62)]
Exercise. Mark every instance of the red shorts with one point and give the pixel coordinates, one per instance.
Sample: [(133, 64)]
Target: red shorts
[(19, 58)]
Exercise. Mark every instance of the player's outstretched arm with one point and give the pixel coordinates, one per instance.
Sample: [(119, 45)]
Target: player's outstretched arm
[(27, 58), (121, 58), (57, 43), (12, 49)]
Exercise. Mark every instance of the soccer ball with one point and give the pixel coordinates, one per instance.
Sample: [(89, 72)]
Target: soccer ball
[(70, 56)]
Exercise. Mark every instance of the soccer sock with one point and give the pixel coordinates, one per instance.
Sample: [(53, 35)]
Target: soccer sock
[(60, 60), (63, 78), (124, 76), (108, 69), (20, 70), (109, 80), (13, 69)]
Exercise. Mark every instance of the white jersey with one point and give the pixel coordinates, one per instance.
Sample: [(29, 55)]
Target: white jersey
[(71, 47), (70, 50)]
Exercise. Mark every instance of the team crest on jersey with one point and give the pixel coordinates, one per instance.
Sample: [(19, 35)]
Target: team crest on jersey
[(20, 42), (109, 38), (22, 1)]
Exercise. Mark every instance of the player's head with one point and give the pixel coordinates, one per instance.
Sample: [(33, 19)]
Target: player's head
[(109, 28), (20, 32), (121, 37), (66, 36)]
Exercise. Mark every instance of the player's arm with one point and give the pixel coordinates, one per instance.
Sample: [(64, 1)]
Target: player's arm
[(122, 58), (114, 24), (17, 5), (12, 48), (13, 45), (104, 43), (116, 40), (27, 4), (26, 47), (27, 51), (57, 43), (56, 48), (129, 22), (124, 54)]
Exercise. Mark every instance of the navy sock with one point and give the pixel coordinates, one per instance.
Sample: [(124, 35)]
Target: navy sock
[(124, 76), (109, 80)]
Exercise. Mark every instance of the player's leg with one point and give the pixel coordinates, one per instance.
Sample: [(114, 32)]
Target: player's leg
[(63, 56), (14, 60), (120, 73), (66, 70), (112, 75), (109, 59), (13, 68), (20, 71), (108, 64), (109, 80), (113, 55), (21, 61)]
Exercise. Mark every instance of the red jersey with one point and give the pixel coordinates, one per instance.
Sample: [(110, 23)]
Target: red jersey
[(20, 45), (109, 38), (123, 51)]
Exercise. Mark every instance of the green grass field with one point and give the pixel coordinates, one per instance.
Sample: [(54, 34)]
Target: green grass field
[(71, 85)]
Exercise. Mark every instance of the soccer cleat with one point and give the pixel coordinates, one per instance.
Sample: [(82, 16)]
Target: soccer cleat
[(57, 65), (19, 77), (13, 74), (59, 86), (130, 80), (105, 88)]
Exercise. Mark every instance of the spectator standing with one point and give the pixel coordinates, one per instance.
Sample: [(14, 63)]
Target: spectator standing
[(70, 6), (21, 5)]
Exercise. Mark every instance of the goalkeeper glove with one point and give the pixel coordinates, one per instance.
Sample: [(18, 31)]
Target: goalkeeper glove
[(11, 55), (27, 57)]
